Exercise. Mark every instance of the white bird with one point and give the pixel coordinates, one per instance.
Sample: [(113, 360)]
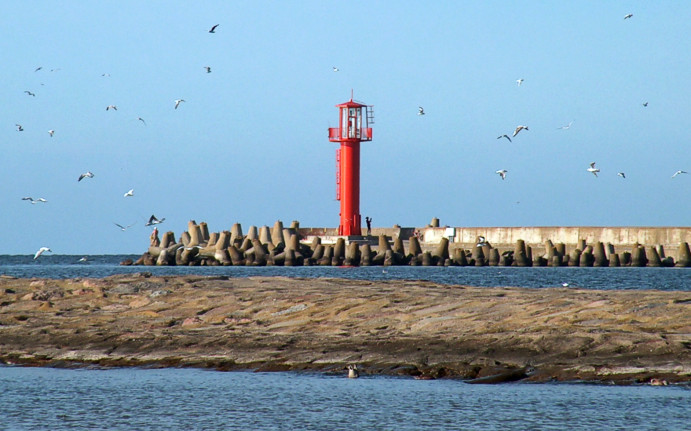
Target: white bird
[(627, 16), (213, 29), (502, 173), (51, 132), (19, 127), (107, 75), (518, 129), (621, 174), (480, 241), (565, 127), (153, 220), (41, 251), (82, 259), (679, 172), (32, 200), (593, 169), (124, 228), (129, 193), (504, 136), (86, 174), (645, 104), (353, 372), (208, 69), (420, 110), (335, 69), (113, 107), (177, 102), (142, 120), (519, 81)]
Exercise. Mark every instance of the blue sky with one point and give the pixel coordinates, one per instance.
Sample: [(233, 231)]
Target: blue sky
[(250, 143)]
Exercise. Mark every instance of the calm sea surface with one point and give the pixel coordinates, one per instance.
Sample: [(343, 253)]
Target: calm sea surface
[(66, 266), (191, 399)]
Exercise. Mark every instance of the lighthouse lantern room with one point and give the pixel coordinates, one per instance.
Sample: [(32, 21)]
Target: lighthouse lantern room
[(354, 121)]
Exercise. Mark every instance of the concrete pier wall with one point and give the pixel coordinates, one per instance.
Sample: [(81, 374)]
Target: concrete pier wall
[(625, 236), (618, 236)]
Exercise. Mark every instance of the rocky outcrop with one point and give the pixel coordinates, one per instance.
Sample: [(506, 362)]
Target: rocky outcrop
[(386, 327)]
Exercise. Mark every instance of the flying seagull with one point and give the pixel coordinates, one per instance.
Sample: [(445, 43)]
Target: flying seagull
[(87, 174), (30, 93), (19, 127), (621, 174), (565, 127), (113, 107), (628, 15), (518, 129), (420, 110), (32, 200), (142, 120), (153, 220), (177, 102), (645, 104), (82, 259), (38, 68), (213, 29), (679, 172), (123, 228), (502, 173), (41, 251), (51, 132), (519, 81), (504, 136), (335, 69), (208, 69), (107, 75), (593, 169), (130, 192), (481, 241)]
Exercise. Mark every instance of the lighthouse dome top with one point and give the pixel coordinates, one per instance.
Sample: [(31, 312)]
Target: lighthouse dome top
[(351, 104)]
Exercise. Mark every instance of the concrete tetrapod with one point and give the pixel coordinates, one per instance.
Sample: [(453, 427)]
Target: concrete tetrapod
[(277, 233), (684, 255), (366, 255), (638, 256), (653, 257), (599, 256), (236, 233), (414, 248)]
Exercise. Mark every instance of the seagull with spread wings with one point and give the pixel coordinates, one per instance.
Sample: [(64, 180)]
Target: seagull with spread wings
[(41, 251), (86, 174), (518, 129), (153, 220), (592, 169)]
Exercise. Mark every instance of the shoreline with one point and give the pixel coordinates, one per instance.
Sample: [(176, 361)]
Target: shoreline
[(407, 328)]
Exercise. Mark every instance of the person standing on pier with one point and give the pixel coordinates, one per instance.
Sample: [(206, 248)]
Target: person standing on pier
[(368, 220)]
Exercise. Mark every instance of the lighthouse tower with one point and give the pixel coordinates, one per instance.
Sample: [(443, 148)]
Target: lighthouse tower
[(354, 121)]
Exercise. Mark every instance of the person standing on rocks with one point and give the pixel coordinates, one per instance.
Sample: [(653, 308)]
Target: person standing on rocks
[(368, 220), (154, 240)]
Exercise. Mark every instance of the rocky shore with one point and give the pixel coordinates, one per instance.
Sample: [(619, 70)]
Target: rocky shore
[(414, 328)]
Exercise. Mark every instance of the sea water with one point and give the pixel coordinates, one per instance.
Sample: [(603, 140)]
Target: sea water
[(192, 399), (67, 266)]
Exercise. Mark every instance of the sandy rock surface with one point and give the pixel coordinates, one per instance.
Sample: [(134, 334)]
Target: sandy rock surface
[(412, 328)]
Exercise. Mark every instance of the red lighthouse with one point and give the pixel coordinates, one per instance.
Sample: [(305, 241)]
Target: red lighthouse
[(354, 121)]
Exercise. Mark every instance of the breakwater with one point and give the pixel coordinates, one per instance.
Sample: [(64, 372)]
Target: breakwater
[(428, 246)]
